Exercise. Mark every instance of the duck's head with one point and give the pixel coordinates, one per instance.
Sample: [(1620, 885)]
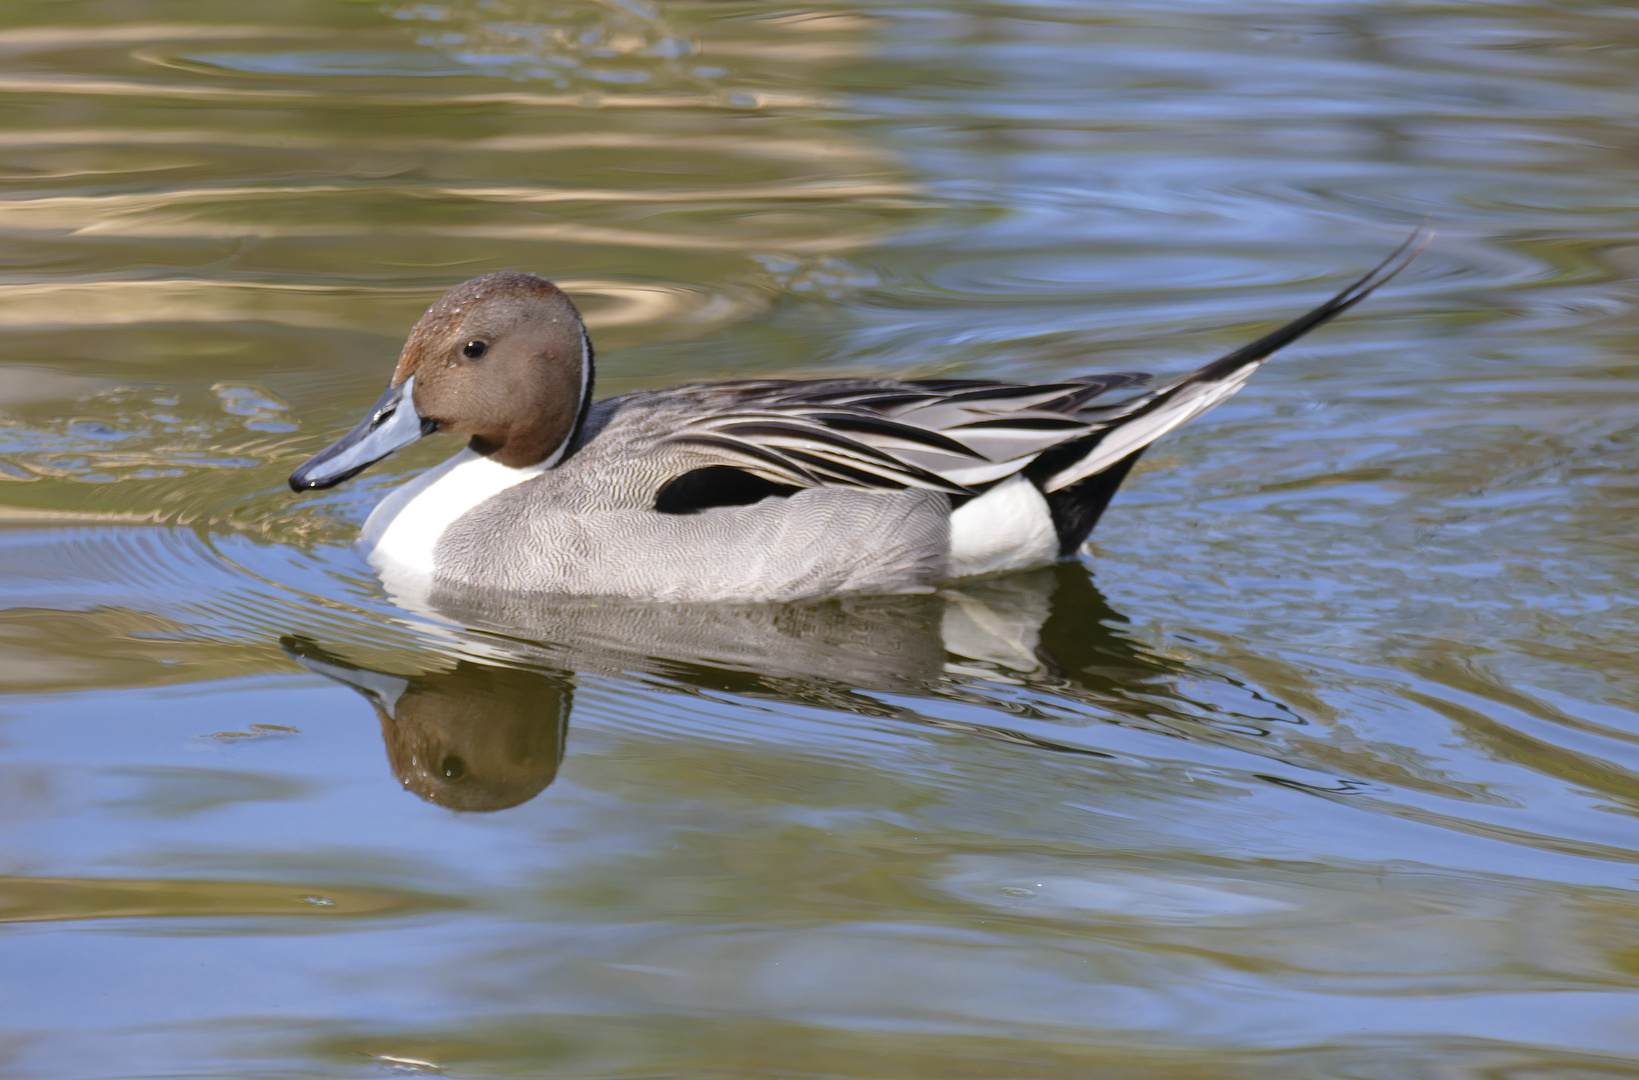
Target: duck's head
[(503, 359)]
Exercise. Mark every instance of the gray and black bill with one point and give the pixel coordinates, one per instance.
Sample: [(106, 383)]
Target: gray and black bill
[(392, 424)]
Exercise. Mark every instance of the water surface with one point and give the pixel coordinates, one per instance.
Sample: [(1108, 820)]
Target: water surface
[(1321, 763)]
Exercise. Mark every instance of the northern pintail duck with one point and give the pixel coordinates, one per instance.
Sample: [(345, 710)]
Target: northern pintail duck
[(764, 489)]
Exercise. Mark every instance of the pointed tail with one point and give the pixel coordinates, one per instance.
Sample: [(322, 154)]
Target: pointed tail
[(1190, 395)]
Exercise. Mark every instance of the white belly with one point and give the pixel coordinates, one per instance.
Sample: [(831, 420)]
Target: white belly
[(1007, 528), (404, 528)]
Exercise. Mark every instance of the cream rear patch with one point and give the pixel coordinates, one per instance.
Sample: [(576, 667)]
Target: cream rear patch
[(1007, 528)]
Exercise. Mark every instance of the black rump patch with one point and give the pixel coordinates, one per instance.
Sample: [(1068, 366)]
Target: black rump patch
[(1077, 508), (716, 485)]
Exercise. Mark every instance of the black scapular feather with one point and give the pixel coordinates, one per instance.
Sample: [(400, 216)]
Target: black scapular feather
[(716, 485), (814, 434), (881, 425)]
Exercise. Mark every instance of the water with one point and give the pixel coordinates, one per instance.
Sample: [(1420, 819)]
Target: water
[(1322, 764)]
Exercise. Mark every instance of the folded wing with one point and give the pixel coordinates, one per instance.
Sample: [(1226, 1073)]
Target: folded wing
[(962, 436)]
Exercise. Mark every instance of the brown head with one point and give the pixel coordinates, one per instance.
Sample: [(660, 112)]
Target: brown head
[(503, 359)]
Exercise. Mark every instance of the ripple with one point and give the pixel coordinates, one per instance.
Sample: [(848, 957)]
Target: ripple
[(318, 62), (1026, 276), (675, 308), (734, 101), (24, 899), (26, 39), (1048, 888), (200, 213)]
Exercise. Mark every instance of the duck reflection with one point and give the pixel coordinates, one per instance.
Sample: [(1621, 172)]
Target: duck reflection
[(478, 737), (487, 734), (1050, 624)]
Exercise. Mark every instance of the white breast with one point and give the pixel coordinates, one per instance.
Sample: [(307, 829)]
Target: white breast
[(404, 528), (1007, 528)]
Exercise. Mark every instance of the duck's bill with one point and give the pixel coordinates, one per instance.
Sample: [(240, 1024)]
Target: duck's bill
[(391, 424), (381, 688)]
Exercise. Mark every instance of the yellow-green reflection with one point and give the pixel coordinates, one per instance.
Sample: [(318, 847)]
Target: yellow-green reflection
[(25, 899)]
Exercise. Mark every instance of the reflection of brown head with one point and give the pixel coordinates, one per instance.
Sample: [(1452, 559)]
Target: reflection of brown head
[(477, 738)]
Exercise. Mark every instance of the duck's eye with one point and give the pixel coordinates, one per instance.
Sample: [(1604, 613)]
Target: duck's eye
[(472, 350)]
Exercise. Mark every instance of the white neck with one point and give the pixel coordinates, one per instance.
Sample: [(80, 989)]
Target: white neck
[(405, 527)]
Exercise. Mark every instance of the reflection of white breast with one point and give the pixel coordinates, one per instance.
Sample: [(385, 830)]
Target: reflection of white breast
[(404, 527)]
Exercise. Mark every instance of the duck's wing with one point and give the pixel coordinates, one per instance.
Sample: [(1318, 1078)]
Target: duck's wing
[(956, 436), (961, 436)]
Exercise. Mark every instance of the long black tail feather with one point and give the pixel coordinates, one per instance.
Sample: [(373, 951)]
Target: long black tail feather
[(1276, 340), (1081, 478)]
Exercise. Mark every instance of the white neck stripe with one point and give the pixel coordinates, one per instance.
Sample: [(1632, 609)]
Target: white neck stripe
[(580, 403)]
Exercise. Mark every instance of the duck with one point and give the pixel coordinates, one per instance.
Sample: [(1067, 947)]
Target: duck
[(749, 490)]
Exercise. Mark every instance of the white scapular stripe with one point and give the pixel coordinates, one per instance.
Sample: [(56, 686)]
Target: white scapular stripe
[(981, 474), (1135, 434)]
